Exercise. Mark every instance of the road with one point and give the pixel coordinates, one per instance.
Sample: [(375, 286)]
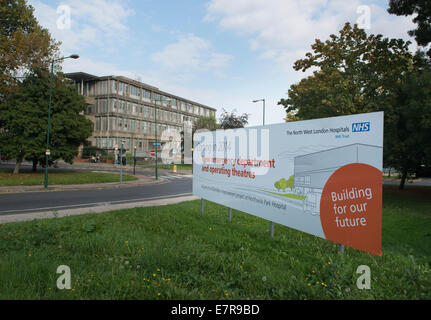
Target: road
[(174, 185)]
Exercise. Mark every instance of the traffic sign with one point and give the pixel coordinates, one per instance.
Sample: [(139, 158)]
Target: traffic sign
[(152, 152), (156, 143)]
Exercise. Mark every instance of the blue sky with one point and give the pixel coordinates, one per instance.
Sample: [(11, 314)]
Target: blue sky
[(222, 53)]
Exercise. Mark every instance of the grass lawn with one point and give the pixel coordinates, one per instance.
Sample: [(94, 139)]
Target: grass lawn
[(175, 252), (29, 178)]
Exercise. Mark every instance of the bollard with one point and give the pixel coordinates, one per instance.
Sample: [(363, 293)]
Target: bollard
[(175, 168)]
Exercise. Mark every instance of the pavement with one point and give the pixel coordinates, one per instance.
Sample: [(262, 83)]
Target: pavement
[(111, 167), (49, 214), (413, 182), (21, 203)]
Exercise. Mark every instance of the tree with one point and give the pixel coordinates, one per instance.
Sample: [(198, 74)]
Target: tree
[(355, 73), (277, 185), (232, 121), (23, 119), (283, 184), (358, 73), (208, 123), (409, 145), (422, 9), (24, 44), (291, 182)]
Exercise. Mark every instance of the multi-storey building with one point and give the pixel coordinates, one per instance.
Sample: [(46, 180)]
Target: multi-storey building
[(127, 110)]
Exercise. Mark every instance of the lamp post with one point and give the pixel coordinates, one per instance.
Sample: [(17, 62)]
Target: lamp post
[(271, 225), (48, 151), (121, 161), (134, 160), (263, 100), (155, 133)]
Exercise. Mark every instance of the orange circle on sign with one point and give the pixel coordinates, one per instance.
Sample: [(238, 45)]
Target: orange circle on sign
[(351, 207)]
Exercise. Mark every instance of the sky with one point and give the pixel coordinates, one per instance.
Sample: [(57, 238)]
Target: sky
[(221, 53)]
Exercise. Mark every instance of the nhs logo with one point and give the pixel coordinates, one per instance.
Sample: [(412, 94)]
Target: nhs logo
[(360, 126)]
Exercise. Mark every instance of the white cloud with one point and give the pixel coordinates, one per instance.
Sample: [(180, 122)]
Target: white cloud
[(108, 15), (282, 31), (191, 54), (91, 22)]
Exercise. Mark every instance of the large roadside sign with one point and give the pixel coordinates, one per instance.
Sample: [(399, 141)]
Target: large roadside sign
[(322, 176)]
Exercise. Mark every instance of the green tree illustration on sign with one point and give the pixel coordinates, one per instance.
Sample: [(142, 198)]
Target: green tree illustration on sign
[(282, 184)]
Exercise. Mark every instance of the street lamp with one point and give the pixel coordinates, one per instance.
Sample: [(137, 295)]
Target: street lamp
[(121, 160), (155, 133), (134, 160), (48, 151), (263, 108), (271, 225)]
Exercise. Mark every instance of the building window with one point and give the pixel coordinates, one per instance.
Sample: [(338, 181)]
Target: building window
[(174, 103), (157, 98), (165, 101), (146, 95), (122, 88), (134, 92), (122, 106), (104, 123), (97, 123)]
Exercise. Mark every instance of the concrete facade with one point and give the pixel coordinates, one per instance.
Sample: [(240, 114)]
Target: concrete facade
[(124, 109)]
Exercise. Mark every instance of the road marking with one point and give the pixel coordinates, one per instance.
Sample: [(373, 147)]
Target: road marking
[(95, 204), (176, 176)]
